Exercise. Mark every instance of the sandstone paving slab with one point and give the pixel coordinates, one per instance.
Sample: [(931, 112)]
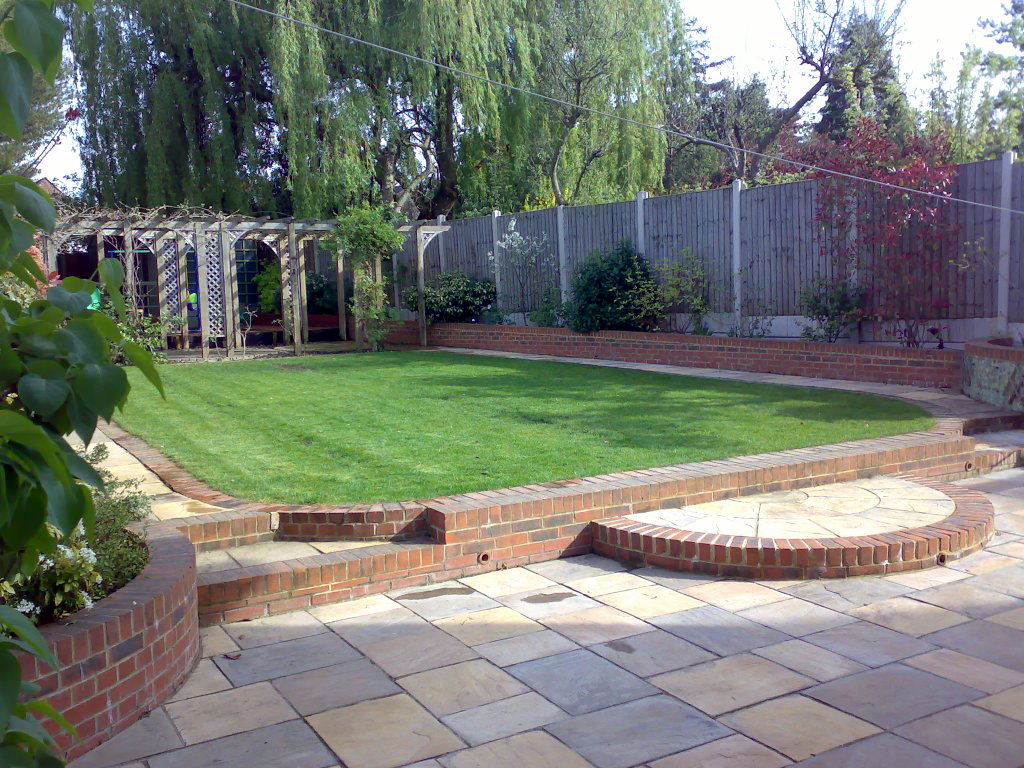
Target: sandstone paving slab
[(984, 562), (274, 629), (651, 600), (869, 644), (911, 617), (488, 625), (293, 744), (892, 695), (735, 595), (335, 686), (652, 653), (384, 733), (266, 662), (675, 579), (271, 552), (439, 601), (502, 718), (351, 609), (452, 689), (1007, 544), (214, 560), (969, 599), (596, 625), (1009, 581), (885, 749), (927, 577), (417, 651), (718, 631), (606, 583), (149, 735), (623, 735), (846, 594), (525, 750), (984, 640), (731, 752), (716, 687), (229, 712), (541, 604), (360, 631), (799, 727), (1013, 618), (515, 650), (810, 660), (580, 681), (205, 678), (216, 641), (976, 737), (509, 581), (572, 568), (1009, 703), (961, 668), (796, 617)]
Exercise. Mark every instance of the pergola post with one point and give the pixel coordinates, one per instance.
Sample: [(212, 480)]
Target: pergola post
[(298, 277), (286, 289), (229, 278), (303, 293), (181, 253), (129, 269), (421, 287), (204, 300), (340, 281)]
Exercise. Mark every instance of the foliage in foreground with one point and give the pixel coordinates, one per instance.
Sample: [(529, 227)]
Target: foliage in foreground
[(834, 306), (57, 377)]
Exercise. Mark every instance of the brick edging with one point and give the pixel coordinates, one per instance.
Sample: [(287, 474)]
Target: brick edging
[(130, 652), (961, 533), (992, 349)]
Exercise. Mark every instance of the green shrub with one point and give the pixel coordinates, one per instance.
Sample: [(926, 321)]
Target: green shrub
[(551, 312), (686, 291), (268, 286), (833, 305), (148, 332), (321, 295), (454, 297), (616, 291), (86, 568)]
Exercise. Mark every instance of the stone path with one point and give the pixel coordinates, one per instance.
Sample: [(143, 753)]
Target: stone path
[(582, 662)]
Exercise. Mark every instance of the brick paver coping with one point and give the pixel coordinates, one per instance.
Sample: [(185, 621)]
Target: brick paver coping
[(877, 526)]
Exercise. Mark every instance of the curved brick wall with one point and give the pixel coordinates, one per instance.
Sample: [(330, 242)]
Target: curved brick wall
[(854, 362), (994, 372), (128, 654)]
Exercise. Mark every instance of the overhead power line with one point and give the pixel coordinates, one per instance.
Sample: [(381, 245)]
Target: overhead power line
[(601, 113)]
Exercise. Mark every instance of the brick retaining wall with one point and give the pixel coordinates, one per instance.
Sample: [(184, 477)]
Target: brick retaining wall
[(126, 655), (994, 373), (854, 362)]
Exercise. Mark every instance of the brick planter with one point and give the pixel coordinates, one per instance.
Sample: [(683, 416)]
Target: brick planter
[(854, 362), (124, 657), (994, 372)]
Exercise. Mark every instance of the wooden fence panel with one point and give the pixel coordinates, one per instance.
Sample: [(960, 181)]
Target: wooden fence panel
[(1016, 313), (523, 285), (593, 228)]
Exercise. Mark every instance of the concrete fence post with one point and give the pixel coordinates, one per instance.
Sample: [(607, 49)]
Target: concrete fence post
[(442, 255), (641, 237), (495, 215), (563, 262), (1005, 202), (737, 251)]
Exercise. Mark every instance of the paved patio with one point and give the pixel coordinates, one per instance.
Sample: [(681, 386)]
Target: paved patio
[(582, 662)]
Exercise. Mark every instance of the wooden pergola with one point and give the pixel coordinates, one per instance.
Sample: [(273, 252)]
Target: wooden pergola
[(170, 234)]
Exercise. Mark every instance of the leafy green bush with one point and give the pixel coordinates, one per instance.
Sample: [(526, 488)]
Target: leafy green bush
[(145, 331), (268, 286), (454, 297), (833, 305), (686, 291), (616, 291), (551, 312), (85, 568), (321, 295)]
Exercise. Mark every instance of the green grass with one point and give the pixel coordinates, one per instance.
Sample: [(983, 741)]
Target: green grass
[(406, 425)]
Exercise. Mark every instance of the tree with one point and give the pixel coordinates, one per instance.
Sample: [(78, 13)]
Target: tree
[(903, 249), (1009, 100), (864, 80), (47, 118)]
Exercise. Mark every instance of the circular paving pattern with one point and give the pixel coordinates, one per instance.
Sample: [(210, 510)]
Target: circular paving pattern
[(869, 526)]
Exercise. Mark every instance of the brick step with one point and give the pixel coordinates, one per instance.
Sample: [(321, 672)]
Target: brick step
[(255, 580)]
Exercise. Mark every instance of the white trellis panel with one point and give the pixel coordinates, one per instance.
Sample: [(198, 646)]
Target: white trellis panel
[(214, 283)]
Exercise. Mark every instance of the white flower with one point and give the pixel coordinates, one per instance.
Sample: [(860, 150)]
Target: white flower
[(66, 550), (27, 607), (88, 602), (88, 554), (45, 563), (99, 579)]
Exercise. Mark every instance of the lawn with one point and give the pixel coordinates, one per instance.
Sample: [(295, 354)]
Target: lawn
[(407, 425)]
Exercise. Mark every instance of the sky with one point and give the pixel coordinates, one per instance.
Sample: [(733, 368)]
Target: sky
[(753, 34)]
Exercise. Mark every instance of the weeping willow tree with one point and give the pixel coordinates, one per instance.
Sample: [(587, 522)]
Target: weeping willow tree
[(220, 106)]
